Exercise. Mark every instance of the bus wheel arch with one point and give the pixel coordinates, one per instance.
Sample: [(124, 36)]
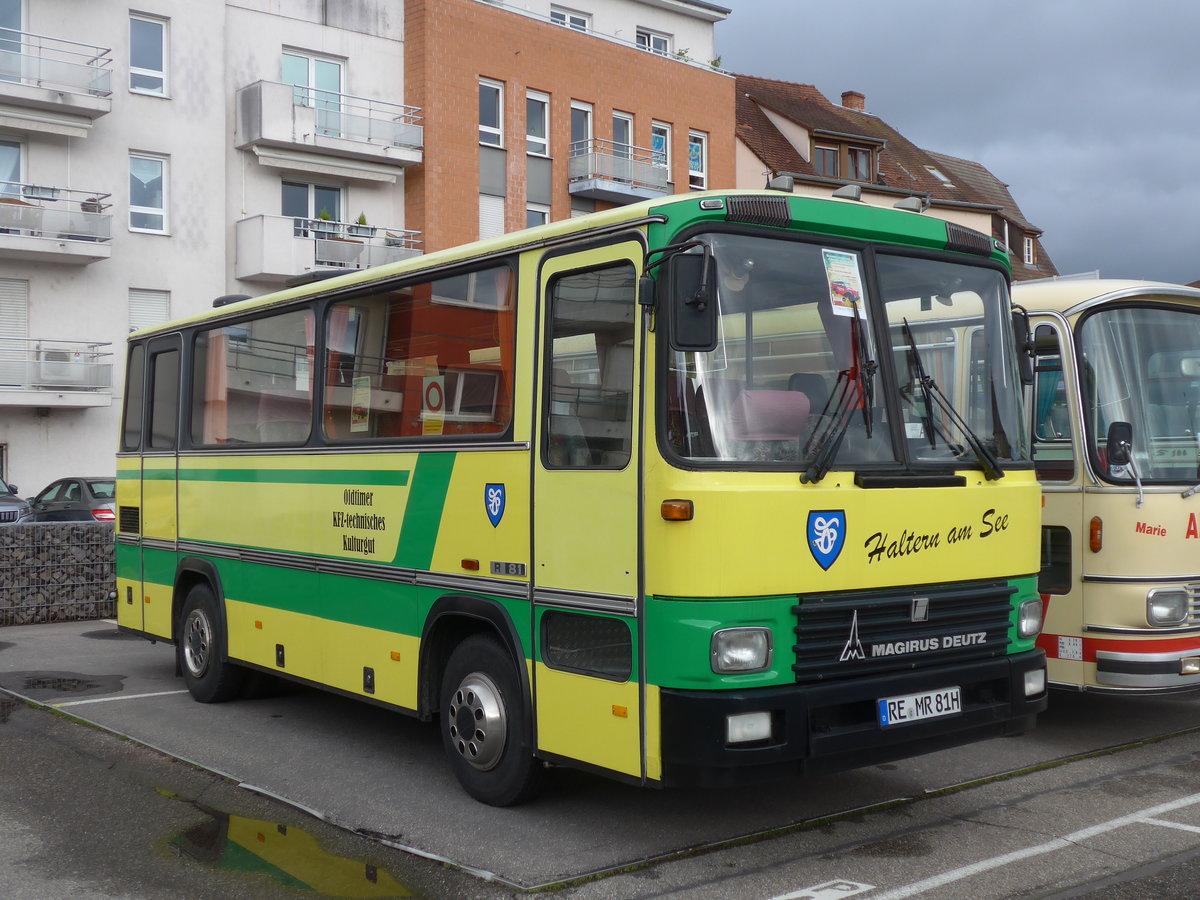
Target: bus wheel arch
[(483, 714)]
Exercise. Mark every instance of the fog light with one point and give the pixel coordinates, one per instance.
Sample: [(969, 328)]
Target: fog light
[(742, 728), (1029, 623), (1189, 665), (1035, 682), (1167, 606), (741, 650)]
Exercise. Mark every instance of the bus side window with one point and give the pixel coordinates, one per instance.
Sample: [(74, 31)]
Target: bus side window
[(164, 400), (1053, 447), (135, 373)]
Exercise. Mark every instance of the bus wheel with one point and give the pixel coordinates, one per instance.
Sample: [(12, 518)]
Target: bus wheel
[(200, 648), (483, 724)]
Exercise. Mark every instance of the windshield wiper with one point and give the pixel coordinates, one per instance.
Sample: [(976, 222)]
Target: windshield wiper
[(853, 384), (989, 463)]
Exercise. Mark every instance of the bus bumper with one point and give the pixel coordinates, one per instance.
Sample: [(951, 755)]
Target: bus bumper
[(830, 727)]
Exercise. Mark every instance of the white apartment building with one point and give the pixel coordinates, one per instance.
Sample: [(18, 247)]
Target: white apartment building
[(158, 156), (154, 158)]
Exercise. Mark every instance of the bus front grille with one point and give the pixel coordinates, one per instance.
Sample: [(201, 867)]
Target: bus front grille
[(864, 633)]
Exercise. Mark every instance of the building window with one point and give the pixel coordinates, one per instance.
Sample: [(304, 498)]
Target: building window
[(622, 125), (148, 308), (537, 123), (11, 154), (660, 145), (858, 164), (1030, 255), (581, 128), (697, 161), (491, 113), (147, 55), (147, 192), (654, 42), (536, 214), (570, 18), (312, 206), (825, 161), (317, 83), (939, 175), (491, 216)]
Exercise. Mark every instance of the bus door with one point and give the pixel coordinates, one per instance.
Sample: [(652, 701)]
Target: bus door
[(586, 501), (1057, 460), (160, 472)]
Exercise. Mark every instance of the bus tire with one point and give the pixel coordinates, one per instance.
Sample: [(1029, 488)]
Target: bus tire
[(200, 649), (483, 724)]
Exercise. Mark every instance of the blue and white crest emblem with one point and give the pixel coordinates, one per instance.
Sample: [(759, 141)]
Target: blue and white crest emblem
[(826, 535), (493, 501)]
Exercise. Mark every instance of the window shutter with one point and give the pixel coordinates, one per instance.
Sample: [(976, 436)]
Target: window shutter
[(14, 330), (148, 308), (491, 216)]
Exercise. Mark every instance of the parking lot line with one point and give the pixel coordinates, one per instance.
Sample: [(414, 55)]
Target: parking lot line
[(120, 697)]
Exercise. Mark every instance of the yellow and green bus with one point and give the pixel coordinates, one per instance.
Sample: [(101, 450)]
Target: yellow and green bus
[(690, 492), (1116, 433)]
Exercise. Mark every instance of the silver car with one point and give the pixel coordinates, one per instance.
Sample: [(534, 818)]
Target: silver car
[(12, 508)]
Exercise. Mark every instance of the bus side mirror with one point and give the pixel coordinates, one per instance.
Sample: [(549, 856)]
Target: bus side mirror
[(692, 291), (1023, 338), (1120, 443)]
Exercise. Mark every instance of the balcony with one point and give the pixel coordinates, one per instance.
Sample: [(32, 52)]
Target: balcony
[(274, 249), (64, 374), (615, 173), (41, 223), (52, 86), (306, 130)]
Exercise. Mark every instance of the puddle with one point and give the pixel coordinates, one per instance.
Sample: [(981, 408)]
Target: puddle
[(4, 645), (287, 855), (51, 685), (8, 705)]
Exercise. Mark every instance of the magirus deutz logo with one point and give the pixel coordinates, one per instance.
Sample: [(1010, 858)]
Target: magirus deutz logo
[(918, 613)]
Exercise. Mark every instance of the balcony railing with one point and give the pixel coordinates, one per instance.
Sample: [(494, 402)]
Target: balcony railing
[(615, 172), (276, 248), (284, 115), (41, 365), (46, 62), (54, 213)]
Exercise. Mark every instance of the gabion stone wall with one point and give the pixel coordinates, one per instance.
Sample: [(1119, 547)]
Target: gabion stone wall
[(56, 572)]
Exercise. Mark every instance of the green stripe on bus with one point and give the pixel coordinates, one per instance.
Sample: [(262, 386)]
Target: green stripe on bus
[(374, 477), (423, 514)]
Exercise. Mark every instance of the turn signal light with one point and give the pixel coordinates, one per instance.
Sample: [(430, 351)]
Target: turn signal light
[(677, 510), (1096, 534)]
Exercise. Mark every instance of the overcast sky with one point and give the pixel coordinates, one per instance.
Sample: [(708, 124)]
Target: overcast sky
[(1088, 109)]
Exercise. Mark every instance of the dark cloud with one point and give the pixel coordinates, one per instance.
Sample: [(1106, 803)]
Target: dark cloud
[(1087, 108)]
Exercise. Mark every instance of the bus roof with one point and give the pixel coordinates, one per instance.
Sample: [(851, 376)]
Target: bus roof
[(1071, 296), (872, 223)]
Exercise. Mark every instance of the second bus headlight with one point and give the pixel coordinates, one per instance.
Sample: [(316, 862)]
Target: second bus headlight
[(1167, 606), (1030, 621), (740, 650)]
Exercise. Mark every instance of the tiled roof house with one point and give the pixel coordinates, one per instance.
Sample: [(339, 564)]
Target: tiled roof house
[(788, 129)]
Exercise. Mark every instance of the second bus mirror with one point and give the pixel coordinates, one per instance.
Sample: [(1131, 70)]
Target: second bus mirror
[(1120, 443), (692, 293)]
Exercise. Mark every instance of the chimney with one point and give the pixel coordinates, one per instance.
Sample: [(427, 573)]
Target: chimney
[(854, 100)]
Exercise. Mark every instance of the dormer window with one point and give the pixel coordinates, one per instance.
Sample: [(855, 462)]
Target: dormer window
[(825, 161), (858, 161)]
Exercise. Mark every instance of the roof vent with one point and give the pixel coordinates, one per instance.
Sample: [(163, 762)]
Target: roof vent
[(226, 299), (967, 240), (759, 211), (849, 192)]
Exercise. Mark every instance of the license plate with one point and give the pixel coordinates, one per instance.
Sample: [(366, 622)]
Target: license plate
[(915, 707)]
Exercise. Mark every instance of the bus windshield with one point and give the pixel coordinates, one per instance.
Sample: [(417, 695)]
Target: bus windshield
[(798, 380), (1142, 365)]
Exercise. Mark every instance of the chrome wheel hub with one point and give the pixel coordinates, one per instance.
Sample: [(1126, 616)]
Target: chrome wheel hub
[(477, 721), (197, 643)]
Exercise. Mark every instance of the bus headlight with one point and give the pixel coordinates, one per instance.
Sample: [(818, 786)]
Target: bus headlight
[(741, 650), (1029, 621), (1167, 606)]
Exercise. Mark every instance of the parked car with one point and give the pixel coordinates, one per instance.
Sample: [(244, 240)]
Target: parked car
[(76, 500), (12, 508)]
